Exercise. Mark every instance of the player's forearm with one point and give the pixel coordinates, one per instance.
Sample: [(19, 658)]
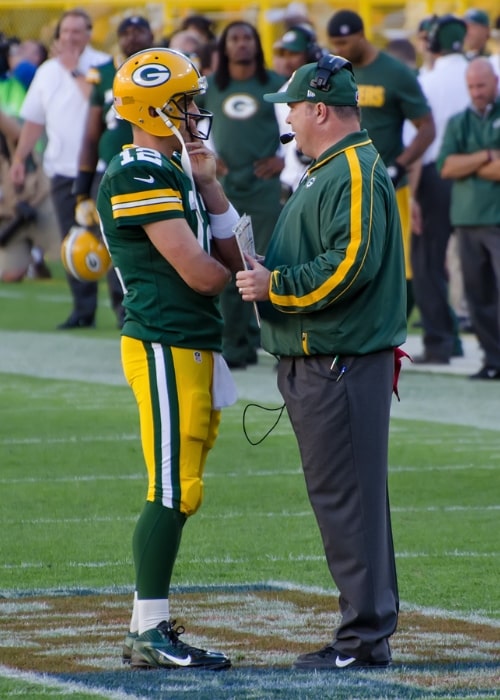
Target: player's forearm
[(214, 197)]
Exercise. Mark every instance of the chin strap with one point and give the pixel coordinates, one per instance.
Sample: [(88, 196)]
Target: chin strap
[(186, 166)]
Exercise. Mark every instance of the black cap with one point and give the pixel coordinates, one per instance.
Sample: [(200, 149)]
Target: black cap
[(134, 21), (344, 23)]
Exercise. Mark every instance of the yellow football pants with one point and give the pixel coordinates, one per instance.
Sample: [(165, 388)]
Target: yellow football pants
[(172, 387)]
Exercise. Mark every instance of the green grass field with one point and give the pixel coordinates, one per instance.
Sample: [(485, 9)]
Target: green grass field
[(73, 483)]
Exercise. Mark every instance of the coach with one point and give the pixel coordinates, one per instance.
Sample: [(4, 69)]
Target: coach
[(336, 305)]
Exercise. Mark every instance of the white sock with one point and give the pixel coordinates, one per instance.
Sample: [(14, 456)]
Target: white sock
[(151, 613), (134, 620)]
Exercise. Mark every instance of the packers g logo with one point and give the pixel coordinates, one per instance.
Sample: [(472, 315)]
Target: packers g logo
[(151, 75), (93, 262), (240, 106)]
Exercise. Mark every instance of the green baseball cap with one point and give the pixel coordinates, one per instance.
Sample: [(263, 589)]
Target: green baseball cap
[(334, 72), (295, 40), (477, 16)]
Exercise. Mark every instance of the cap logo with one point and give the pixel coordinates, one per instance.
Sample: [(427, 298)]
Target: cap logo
[(151, 75), (310, 93), (344, 29)]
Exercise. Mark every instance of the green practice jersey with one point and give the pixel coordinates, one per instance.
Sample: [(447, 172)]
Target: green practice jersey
[(142, 186), (117, 132), (244, 130), (389, 93)]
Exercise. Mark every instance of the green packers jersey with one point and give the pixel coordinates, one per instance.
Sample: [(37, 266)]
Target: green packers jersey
[(244, 130), (142, 186), (117, 132), (389, 93)]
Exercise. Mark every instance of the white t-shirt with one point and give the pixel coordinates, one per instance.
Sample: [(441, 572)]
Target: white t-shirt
[(445, 87), (55, 101), (294, 168)]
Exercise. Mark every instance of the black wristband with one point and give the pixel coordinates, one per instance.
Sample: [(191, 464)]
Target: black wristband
[(83, 183), (396, 173)]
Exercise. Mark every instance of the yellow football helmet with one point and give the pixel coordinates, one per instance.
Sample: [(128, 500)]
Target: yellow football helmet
[(84, 256), (160, 79)]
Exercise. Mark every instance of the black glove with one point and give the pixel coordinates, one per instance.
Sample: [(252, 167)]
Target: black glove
[(396, 173)]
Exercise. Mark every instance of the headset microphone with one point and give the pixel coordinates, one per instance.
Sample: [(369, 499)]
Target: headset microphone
[(286, 138)]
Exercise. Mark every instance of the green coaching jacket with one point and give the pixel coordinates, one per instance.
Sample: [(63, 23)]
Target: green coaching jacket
[(337, 282)]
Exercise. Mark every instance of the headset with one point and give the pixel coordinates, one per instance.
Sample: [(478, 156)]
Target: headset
[(313, 49), (329, 65), (435, 29)]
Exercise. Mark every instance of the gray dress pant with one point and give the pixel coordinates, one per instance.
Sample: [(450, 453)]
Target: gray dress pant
[(342, 429)]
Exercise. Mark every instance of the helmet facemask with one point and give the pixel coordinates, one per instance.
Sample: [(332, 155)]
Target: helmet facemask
[(177, 109)]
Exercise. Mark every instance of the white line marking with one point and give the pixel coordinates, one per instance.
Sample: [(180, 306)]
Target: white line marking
[(239, 514), (70, 688), (230, 561)]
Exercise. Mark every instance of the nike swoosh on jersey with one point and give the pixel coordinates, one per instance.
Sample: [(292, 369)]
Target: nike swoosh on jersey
[(148, 179), (175, 659), (342, 663)]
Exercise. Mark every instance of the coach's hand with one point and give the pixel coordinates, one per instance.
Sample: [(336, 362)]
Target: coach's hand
[(253, 284)]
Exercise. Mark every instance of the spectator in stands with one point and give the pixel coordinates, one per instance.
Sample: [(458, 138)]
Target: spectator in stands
[(57, 103)]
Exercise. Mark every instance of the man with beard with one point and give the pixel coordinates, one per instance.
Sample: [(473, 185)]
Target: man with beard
[(245, 136)]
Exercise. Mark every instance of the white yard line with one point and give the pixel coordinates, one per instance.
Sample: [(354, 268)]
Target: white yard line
[(68, 687)]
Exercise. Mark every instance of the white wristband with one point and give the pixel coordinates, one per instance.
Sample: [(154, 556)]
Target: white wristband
[(221, 225)]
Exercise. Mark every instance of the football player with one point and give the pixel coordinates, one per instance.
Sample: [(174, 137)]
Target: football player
[(168, 226)]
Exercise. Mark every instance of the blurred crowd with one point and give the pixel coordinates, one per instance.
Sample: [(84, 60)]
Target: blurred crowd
[(58, 132)]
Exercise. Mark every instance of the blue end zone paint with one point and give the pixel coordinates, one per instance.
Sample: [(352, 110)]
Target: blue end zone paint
[(265, 684)]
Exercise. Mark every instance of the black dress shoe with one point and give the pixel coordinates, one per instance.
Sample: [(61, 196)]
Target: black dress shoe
[(75, 321), (236, 365), (486, 373)]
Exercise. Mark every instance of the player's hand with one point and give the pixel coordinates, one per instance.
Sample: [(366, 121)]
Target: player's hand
[(86, 213), (203, 162)]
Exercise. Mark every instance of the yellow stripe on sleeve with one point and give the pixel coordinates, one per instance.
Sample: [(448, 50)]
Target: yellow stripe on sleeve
[(342, 271)]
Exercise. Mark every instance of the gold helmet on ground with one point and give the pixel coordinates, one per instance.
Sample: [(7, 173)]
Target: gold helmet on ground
[(84, 256), (163, 80)]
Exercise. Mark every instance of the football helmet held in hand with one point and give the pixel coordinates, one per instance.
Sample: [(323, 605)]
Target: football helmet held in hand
[(163, 80), (84, 255)]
